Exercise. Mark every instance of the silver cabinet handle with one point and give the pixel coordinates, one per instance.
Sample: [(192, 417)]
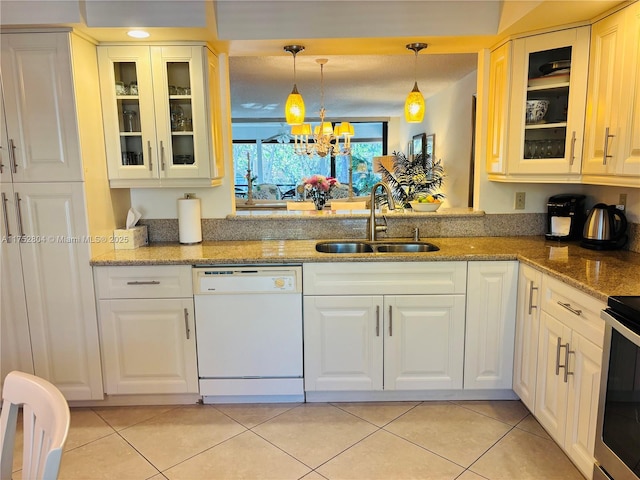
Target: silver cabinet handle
[(531, 289), (572, 155), (162, 155), (605, 153), (186, 323), (390, 321), (568, 306), (377, 320), (567, 352), (1, 164), (558, 347), (12, 156), (150, 161), (19, 214), (5, 215), (144, 282)]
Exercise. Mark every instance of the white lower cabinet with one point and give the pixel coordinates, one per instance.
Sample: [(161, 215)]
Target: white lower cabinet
[(342, 343), (490, 325), (384, 326), (422, 337), (48, 310), (147, 329), (525, 358), (568, 373)]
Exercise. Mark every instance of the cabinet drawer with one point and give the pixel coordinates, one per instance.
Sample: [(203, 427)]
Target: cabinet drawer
[(162, 281), (392, 278), (574, 308)]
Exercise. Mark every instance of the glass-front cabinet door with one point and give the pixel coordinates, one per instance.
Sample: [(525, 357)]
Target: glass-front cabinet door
[(128, 110), (181, 111), (157, 119), (547, 111)]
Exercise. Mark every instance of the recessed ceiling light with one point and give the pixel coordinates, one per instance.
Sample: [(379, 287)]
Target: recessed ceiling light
[(138, 33)]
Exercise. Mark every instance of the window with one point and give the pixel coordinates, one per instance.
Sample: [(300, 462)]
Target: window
[(273, 160)]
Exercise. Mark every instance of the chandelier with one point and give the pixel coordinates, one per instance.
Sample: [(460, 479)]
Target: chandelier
[(323, 139), (414, 106)]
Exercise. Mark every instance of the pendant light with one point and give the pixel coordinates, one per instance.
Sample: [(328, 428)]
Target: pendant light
[(414, 106), (294, 108)]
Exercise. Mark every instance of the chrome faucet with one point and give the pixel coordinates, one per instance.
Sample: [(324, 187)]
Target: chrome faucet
[(373, 225)]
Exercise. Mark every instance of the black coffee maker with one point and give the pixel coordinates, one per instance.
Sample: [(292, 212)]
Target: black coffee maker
[(565, 216)]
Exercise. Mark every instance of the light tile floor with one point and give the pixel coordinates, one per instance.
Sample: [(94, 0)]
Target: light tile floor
[(383, 440)]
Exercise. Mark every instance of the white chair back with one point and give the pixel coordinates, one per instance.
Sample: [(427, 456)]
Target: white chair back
[(46, 420)]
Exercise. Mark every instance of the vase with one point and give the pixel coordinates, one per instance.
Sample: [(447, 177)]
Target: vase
[(319, 199)]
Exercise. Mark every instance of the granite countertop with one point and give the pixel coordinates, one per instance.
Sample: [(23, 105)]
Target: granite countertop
[(600, 274)]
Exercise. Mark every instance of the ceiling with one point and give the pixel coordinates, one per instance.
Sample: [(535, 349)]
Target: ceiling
[(355, 86), (369, 72)]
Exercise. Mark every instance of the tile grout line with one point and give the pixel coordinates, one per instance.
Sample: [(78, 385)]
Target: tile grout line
[(453, 402), (487, 450), (173, 407)]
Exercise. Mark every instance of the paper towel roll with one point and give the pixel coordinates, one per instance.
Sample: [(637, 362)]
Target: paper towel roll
[(189, 225)]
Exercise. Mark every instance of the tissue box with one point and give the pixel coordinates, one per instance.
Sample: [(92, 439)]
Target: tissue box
[(130, 238)]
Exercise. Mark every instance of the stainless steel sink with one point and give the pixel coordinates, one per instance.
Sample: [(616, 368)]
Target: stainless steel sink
[(346, 246), (408, 247)]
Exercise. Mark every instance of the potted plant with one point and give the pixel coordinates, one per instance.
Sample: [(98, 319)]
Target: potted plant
[(413, 177)]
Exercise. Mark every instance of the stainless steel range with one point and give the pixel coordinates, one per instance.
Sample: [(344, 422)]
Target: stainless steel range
[(617, 447)]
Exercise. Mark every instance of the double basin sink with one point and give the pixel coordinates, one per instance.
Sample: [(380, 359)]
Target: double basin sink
[(360, 246)]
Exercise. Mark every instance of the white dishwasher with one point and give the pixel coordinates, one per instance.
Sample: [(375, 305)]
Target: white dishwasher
[(249, 333)]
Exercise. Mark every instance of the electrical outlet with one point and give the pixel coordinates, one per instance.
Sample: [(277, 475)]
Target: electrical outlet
[(622, 202), (520, 200)]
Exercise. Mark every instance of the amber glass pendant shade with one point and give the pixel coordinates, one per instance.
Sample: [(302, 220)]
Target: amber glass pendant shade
[(294, 108), (414, 106)]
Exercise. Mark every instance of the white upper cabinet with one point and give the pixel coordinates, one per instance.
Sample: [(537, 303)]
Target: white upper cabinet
[(499, 88), (612, 136), (39, 129), (159, 106), (548, 70)]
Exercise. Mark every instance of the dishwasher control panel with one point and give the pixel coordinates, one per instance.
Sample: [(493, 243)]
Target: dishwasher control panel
[(239, 280)]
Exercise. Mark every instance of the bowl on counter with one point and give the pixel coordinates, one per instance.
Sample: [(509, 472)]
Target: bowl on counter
[(536, 110), (424, 207)]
